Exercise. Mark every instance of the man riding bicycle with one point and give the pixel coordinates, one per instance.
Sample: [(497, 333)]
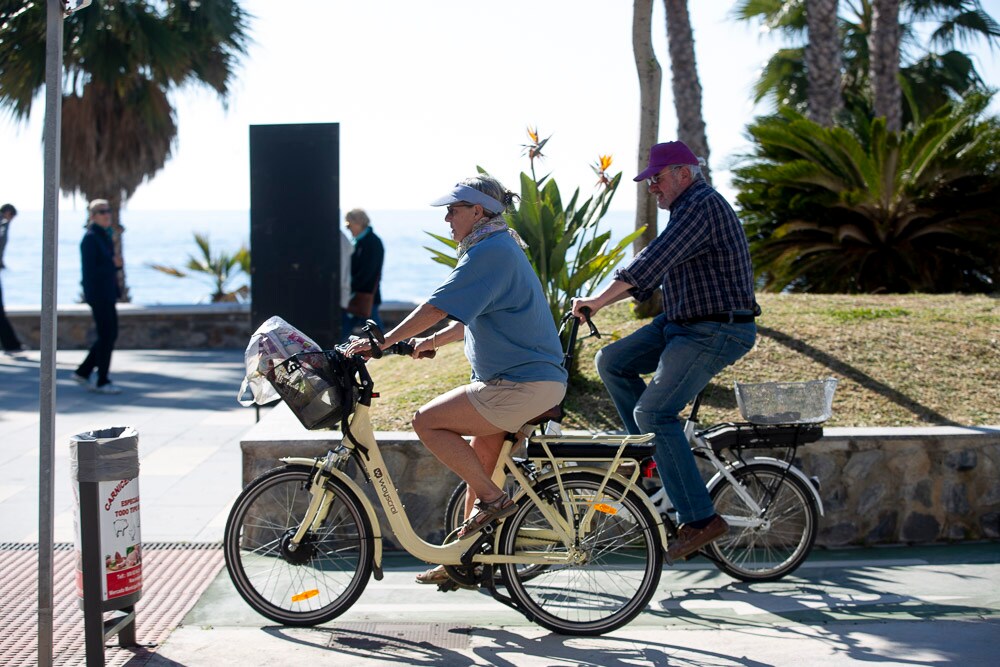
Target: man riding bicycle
[(701, 262)]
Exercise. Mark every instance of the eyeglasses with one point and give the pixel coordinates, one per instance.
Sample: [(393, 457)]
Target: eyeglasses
[(654, 180), (102, 211), (451, 209)]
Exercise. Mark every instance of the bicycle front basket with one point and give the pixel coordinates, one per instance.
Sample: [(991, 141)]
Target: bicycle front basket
[(786, 402), (316, 386)]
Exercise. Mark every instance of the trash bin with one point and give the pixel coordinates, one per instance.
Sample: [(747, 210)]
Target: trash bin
[(104, 466)]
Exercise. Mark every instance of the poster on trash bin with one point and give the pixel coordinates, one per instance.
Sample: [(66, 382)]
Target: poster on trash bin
[(121, 546)]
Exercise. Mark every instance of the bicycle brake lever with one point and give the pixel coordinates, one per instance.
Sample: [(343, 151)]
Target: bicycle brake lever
[(375, 338), (593, 329)]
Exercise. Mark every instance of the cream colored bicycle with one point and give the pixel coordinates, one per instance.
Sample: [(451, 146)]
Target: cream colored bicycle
[(582, 555)]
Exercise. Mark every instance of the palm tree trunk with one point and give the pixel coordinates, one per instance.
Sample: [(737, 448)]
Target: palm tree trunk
[(115, 204), (883, 50), (686, 86), (823, 61), (650, 77)]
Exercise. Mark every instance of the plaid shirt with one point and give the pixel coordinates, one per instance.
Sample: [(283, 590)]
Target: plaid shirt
[(700, 260)]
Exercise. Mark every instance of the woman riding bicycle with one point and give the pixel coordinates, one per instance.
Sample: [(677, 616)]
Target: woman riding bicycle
[(495, 303)]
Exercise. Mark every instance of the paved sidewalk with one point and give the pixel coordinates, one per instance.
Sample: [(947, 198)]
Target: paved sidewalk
[(891, 606), (914, 606), (183, 405)]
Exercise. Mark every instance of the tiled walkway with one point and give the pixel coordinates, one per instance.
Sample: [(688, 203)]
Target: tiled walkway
[(174, 577)]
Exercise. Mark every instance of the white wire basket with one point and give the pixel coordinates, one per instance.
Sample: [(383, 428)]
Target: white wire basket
[(786, 402)]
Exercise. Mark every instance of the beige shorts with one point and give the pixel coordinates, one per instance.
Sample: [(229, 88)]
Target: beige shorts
[(509, 405)]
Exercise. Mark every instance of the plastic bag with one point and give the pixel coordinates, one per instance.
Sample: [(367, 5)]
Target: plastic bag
[(274, 341)]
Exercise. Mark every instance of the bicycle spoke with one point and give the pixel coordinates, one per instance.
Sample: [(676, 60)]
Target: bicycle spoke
[(312, 584), (619, 566), (781, 540)]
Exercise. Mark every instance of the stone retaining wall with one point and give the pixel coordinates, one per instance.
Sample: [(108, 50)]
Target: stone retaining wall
[(907, 485), (219, 326), (879, 486)]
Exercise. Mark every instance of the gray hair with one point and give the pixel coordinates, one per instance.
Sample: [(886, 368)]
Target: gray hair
[(493, 188), (695, 170), (358, 215)]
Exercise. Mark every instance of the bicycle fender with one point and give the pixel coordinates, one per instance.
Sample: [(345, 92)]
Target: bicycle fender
[(657, 519), (780, 465), (353, 486)]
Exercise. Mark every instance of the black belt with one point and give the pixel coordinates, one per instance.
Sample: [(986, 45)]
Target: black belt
[(726, 318)]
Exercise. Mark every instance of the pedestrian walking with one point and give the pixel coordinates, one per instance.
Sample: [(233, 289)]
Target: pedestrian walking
[(101, 292)]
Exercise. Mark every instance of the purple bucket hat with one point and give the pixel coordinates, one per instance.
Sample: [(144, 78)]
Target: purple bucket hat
[(666, 155)]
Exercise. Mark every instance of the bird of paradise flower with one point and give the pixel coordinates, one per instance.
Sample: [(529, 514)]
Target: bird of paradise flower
[(600, 168), (534, 149)]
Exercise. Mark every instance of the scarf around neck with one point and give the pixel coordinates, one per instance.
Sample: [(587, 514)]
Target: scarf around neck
[(484, 228)]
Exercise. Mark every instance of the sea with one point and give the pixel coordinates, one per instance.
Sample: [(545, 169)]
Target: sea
[(167, 238)]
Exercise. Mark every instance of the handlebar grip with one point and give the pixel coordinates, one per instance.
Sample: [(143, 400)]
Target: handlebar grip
[(405, 348)]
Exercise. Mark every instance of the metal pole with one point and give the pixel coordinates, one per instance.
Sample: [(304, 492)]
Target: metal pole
[(47, 376)]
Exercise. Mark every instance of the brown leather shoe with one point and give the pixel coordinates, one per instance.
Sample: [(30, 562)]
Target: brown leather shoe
[(690, 539)]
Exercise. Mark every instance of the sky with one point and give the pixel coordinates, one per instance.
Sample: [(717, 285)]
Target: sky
[(426, 91)]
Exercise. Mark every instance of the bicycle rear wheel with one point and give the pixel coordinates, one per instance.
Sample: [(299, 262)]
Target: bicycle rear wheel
[(782, 541), (319, 580), (616, 565)]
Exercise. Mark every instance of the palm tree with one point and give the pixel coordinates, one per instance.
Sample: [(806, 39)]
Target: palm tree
[(883, 53), (122, 60), (219, 268), (865, 209), (648, 69), (684, 78), (823, 61), (931, 73)]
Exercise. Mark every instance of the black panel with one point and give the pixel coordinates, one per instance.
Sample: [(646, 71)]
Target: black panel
[(294, 227)]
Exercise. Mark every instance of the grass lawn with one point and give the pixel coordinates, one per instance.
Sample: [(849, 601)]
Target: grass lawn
[(902, 360)]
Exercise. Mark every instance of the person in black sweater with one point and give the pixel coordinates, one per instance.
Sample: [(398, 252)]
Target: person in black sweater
[(100, 290), (366, 273), (8, 337)]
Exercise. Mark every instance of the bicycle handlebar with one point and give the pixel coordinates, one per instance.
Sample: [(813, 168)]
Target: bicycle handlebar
[(405, 348)]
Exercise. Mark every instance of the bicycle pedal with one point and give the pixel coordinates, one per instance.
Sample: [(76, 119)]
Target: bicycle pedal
[(448, 586)]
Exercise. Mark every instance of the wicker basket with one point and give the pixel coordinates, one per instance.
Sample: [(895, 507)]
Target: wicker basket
[(786, 402)]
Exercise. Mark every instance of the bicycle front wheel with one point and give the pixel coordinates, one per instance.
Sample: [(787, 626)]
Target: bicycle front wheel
[(320, 579), (772, 545), (614, 564)]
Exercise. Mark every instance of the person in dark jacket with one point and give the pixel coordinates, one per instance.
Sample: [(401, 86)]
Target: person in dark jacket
[(366, 273), (100, 291), (8, 338), (7, 213)]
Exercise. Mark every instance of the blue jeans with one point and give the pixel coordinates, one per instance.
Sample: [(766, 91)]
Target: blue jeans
[(682, 359)]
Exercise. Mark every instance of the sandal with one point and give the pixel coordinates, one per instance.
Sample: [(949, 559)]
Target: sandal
[(435, 575), (487, 513)]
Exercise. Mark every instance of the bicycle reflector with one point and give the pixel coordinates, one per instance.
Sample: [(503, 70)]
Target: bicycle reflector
[(605, 508), (305, 596)]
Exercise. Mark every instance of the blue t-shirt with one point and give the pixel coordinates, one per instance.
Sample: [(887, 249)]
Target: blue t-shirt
[(509, 332)]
